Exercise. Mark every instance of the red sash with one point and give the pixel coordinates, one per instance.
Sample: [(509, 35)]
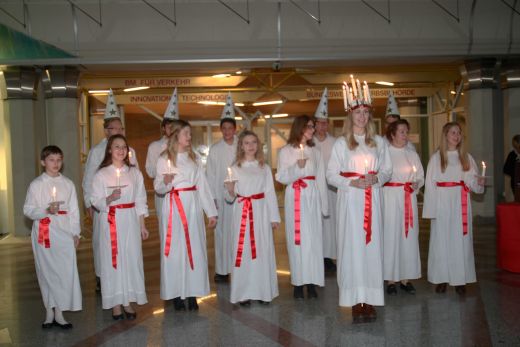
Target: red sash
[(464, 190), (247, 211), (43, 231), (297, 186), (408, 209), (113, 229), (174, 194), (367, 217)]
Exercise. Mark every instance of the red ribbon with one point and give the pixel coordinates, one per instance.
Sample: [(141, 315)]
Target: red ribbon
[(367, 217), (113, 229), (408, 209), (464, 190), (43, 231), (174, 194), (297, 186), (247, 211)]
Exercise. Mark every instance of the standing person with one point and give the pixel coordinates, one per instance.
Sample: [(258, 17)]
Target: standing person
[(324, 142), (112, 126), (119, 195), (511, 168), (220, 157), (392, 115), (402, 262), (300, 168), (359, 166), (255, 215), (451, 175), (52, 204), (184, 261), (157, 147)]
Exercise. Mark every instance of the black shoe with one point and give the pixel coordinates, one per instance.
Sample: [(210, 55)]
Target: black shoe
[(265, 303), (220, 278), (391, 289), (98, 284), (245, 303), (329, 265), (65, 326), (440, 288), (461, 290), (178, 304), (47, 325), (408, 287), (311, 291), (131, 315), (298, 292), (192, 304)]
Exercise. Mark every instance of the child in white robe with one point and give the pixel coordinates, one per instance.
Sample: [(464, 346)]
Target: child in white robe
[(250, 185), (52, 204)]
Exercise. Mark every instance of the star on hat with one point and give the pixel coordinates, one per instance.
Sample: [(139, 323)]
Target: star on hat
[(172, 111), (322, 112), (111, 110), (229, 108), (391, 106)]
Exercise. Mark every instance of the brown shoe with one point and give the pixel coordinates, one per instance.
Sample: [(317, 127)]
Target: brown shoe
[(461, 290), (370, 313), (357, 314), (441, 288)]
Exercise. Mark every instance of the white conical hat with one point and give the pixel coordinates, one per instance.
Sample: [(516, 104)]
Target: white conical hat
[(322, 112), (111, 110), (229, 108), (391, 106), (172, 111)]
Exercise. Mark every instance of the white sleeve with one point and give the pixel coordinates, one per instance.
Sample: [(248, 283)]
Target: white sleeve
[(430, 190), (270, 196), (322, 184), (32, 208), (99, 197), (206, 197), (287, 173), (211, 174), (334, 168), (151, 161), (384, 172), (470, 177), (419, 175), (141, 205), (158, 183), (73, 212)]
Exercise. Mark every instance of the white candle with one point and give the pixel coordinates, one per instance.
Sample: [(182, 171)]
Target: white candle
[(129, 155), (483, 169), (301, 151), (229, 174), (118, 175), (345, 92), (368, 93), (414, 173), (53, 194), (366, 166), (359, 88), (169, 167), (353, 85)]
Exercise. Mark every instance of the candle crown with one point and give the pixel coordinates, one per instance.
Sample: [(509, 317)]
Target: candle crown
[(356, 94)]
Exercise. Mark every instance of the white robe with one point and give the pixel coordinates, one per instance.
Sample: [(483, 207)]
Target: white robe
[(329, 223), (220, 157), (177, 277), (94, 159), (450, 257), (56, 267), (401, 254), (124, 284), (154, 152), (255, 279), (360, 265), (306, 259)]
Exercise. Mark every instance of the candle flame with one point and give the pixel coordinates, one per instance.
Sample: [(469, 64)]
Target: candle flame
[(54, 191), (118, 172), (483, 165), (414, 169)]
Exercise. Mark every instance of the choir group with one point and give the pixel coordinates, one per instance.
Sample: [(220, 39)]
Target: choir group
[(351, 198)]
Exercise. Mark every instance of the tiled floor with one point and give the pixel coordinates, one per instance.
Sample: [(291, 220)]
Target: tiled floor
[(489, 314)]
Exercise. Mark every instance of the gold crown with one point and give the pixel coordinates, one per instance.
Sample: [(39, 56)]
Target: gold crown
[(356, 95)]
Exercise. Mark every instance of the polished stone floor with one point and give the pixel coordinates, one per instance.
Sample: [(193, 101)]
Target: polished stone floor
[(489, 314)]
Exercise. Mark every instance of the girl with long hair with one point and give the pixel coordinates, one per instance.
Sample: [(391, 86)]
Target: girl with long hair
[(118, 193), (255, 215), (184, 261), (301, 169), (452, 173)]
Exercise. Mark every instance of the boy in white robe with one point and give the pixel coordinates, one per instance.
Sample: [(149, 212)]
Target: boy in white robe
[(52, 204)]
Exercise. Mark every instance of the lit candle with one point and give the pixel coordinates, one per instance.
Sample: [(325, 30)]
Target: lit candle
[(229, 174), (366, 166), (359, 88), (129, 155), (118, 175), (345, 92), (414, 173), (301, 151), (353, 85), (483, 169), (53, 194), (369, 99), (169, 167)]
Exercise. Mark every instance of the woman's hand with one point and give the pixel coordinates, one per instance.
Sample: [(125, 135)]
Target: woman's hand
[(144, 233), (301, 163), (116, 195), (275, 225), (76, 241), (481, 181), (53, 208), (168, 178), (212, 222)]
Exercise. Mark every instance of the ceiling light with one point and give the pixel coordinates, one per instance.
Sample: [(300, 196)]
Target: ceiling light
[(221, 75), (238, 72), (383, 83), (239, 104), (99, 91), (263, 103), (238, 118), (277, 115), (136, 88), (1, 73), (211, 103)]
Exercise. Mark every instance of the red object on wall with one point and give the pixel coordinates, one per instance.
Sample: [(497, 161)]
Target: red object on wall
[(508, 236)]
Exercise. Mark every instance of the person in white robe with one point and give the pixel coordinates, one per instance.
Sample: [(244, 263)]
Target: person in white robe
[(301, 169), (184, 260), (402, 261), (52, 204), (118, 193), (220, 158), (393, 114), (451, 174), (359, 166), (253, 276), (324, 142), (112, 126)]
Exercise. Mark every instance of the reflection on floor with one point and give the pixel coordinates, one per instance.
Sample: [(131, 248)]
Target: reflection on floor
[(489, 314)]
